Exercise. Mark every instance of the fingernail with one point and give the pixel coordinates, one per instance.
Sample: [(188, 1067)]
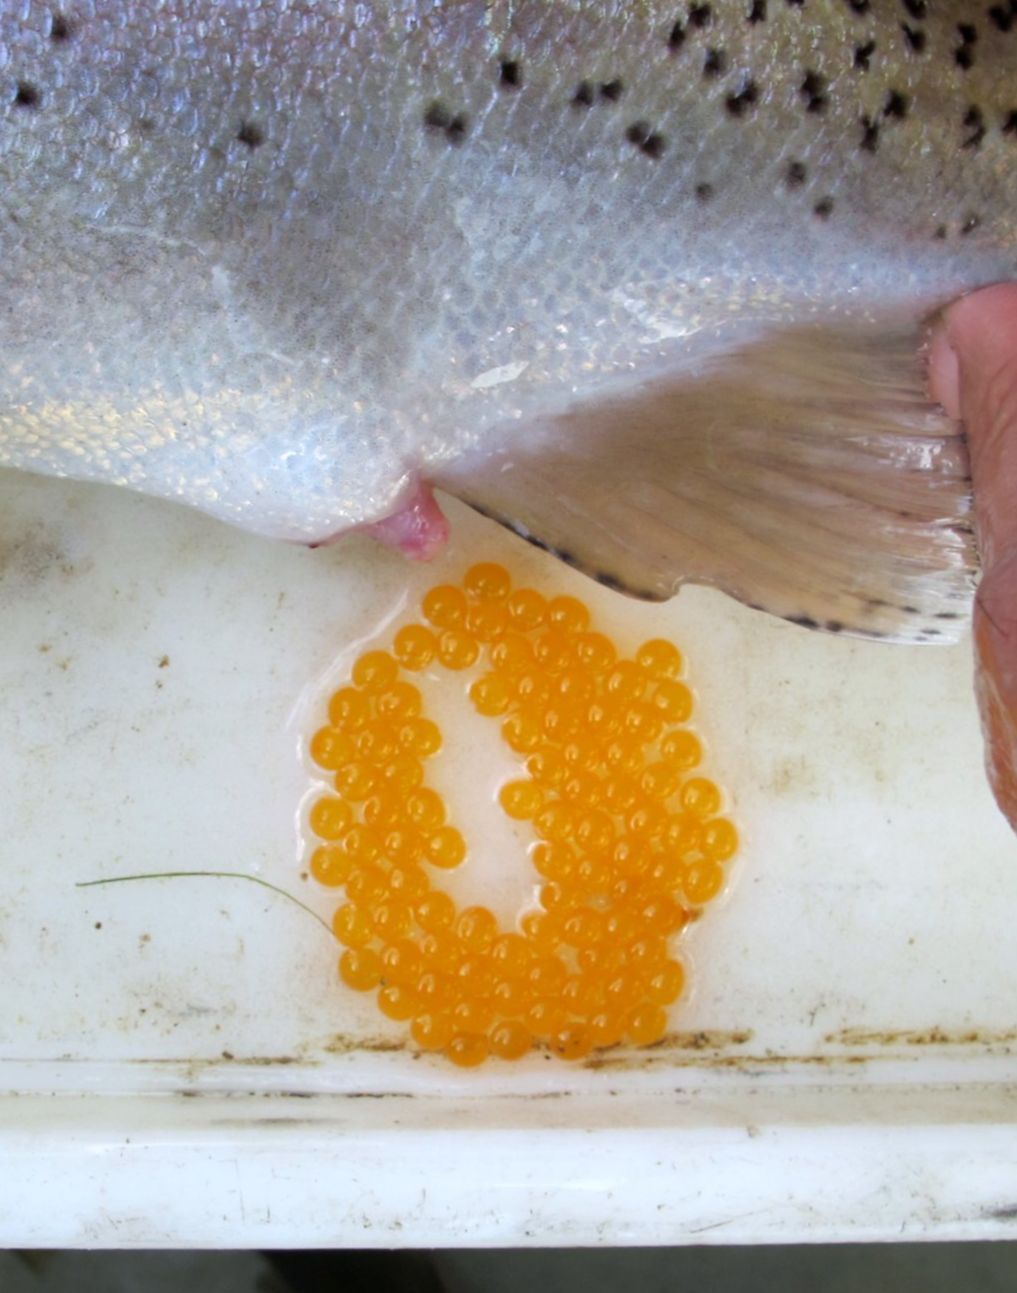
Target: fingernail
[(944, 373)]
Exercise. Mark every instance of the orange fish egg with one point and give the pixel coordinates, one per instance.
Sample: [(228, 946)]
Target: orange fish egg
[(360, 968), (414, 646), (445, 847), (374, 670), (627, 837), (487, 582), (457, 649), (491, 695), (329, 817), (445, 606), (330, 865), (568, 613), (527, 609), (330, 748)]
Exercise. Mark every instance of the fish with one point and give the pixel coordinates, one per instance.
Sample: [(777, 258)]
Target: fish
[(647, 283)]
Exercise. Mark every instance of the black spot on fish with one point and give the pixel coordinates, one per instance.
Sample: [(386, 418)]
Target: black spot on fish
[(438, 117), (250, 134), (676, 39), (646, 139), (859, 6), (971, 223), (610, 581), (896, 106), (863, 55), (584, 95), (908, 610), (795, 175), (60, 28), (700, 15), (457, 128), (870, 135), (758, 11), (806, 621), (916, 8), (739, 104), (940, 233), (612, 90), (813, 91), (964, 57), (1002, 17), (833, 626), (824, 208), (27, 95), (1009, 126), (704, 192), (796, 4), (715, 62), (510, 73), (968, 32), (974, 122), (949, 615), (914, 38)]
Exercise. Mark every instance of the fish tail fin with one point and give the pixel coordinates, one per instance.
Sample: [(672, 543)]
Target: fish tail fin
[(806, 473)]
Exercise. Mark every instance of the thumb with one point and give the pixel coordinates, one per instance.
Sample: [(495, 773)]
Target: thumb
[(973, 374)]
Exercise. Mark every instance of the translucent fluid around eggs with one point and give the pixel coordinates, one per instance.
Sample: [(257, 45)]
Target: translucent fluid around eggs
[(628, 836)]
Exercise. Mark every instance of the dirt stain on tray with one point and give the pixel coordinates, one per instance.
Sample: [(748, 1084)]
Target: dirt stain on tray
[(934, 1036)]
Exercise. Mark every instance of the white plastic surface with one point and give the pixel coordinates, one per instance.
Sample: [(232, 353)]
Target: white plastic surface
[(178, 1064)]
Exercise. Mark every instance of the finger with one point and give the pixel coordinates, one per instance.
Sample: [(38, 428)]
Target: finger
[(973, 374)]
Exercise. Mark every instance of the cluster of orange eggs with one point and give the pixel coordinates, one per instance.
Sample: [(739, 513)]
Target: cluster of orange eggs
[(628, 837)]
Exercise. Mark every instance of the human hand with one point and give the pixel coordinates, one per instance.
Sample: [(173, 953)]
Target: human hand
[(973, 374)]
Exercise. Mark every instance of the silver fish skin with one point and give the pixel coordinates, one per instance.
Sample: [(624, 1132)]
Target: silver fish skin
[(645, 281)]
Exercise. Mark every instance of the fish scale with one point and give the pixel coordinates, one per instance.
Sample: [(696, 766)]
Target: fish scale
[(647, 283)]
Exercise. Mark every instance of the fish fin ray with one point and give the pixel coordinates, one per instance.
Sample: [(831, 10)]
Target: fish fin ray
[(805, 473)]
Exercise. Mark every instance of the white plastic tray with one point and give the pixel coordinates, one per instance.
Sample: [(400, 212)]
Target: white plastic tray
[(178, 1064)]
